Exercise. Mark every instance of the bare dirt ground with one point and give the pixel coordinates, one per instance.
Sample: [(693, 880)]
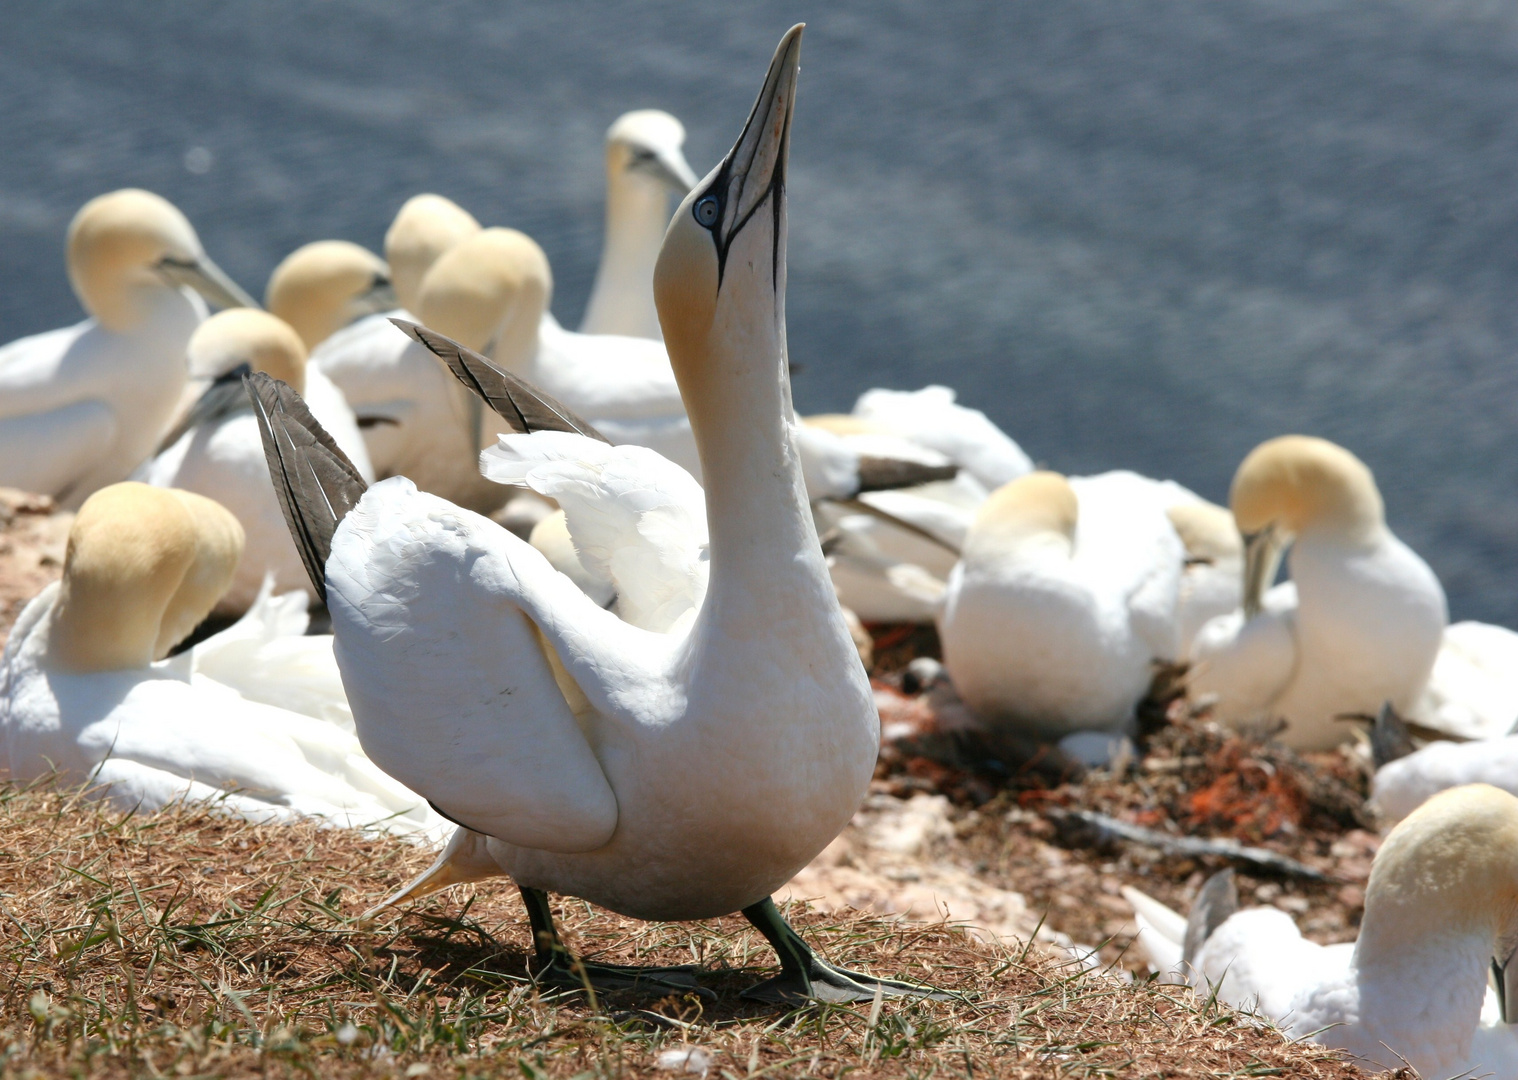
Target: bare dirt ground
[(33, 535)]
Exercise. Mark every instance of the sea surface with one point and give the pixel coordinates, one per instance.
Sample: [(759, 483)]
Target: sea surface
[(1137, 233)]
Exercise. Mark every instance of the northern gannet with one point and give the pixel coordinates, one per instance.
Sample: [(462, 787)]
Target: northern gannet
[(666, 776), (1065, 596), (1441, 913), (82, 406), (321, 287), (216, 450), (645, 165), (1359, 624), (392, 384), (86, 689)]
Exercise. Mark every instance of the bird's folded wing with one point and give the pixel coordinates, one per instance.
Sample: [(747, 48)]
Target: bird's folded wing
[(1247, 662), (450, 687)]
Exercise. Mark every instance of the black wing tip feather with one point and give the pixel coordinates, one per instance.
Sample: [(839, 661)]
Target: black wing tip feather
[(889, 474), (314, 481), (522, 405)]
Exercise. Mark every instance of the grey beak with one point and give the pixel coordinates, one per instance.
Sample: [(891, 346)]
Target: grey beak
[(1505, 983), (380, 296), (1262, 558), (206, 278), (753, 173)]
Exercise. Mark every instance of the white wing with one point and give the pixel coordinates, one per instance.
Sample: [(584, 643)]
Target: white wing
[(1247, 664), (636, 519), (931, 418), (448, 678), (1473, 691)]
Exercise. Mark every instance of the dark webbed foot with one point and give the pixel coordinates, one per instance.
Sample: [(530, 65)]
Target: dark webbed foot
[(561, 969), (805, 977)]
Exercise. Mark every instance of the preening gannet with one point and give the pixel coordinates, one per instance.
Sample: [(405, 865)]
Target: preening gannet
[(1361, 620), (1064, 598), (1441, 912), (85, 688), (666, 776), (326, 285), (645, 165), (217, 452), (82, 406), (393, 386)]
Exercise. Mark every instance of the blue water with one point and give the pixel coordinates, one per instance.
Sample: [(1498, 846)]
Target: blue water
[(1142, 233)]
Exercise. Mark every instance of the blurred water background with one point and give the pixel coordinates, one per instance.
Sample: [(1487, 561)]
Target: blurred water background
[(1138, 233)]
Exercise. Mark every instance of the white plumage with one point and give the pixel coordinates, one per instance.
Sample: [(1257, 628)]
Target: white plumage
[(82, 406), (1363, 622)]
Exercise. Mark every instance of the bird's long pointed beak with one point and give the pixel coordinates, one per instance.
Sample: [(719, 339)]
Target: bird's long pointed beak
[(1262, 558), (206, 278), (671, 167), (1505, 986), (380, 296), (755, 167)]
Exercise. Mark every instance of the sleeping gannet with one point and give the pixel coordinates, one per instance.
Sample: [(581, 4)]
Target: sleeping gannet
[(216, 450), (645, 165), (1064, 598), (82, 406), (86, 690), (323, 286), (1360, 622), (682, 775), (1441, 913)]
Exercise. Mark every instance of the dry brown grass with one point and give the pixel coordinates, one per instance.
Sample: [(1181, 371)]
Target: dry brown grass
[(187, 943)]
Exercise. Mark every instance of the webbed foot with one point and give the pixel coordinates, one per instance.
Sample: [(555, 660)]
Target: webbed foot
[(561, 969), (805, 977)]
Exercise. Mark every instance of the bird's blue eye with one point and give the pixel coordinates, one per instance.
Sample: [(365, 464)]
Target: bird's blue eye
[(706, 211)]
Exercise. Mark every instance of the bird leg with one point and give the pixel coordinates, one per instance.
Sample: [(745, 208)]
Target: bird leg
[(805, 977), (562, 969)]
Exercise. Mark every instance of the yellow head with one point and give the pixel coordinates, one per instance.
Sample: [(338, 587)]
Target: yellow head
[(116, 244), (1297, 483), (426, 226), (263, 341), (322, 287), (1038, 508), (1207, 531), (144, 566), (1452, 864), (489, 292)]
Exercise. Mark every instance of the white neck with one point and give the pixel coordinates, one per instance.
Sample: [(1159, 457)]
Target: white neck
[(1421, 983), (622, 300), (764, 548)]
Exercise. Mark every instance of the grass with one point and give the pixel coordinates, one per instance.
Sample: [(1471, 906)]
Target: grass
[(186, 943)]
